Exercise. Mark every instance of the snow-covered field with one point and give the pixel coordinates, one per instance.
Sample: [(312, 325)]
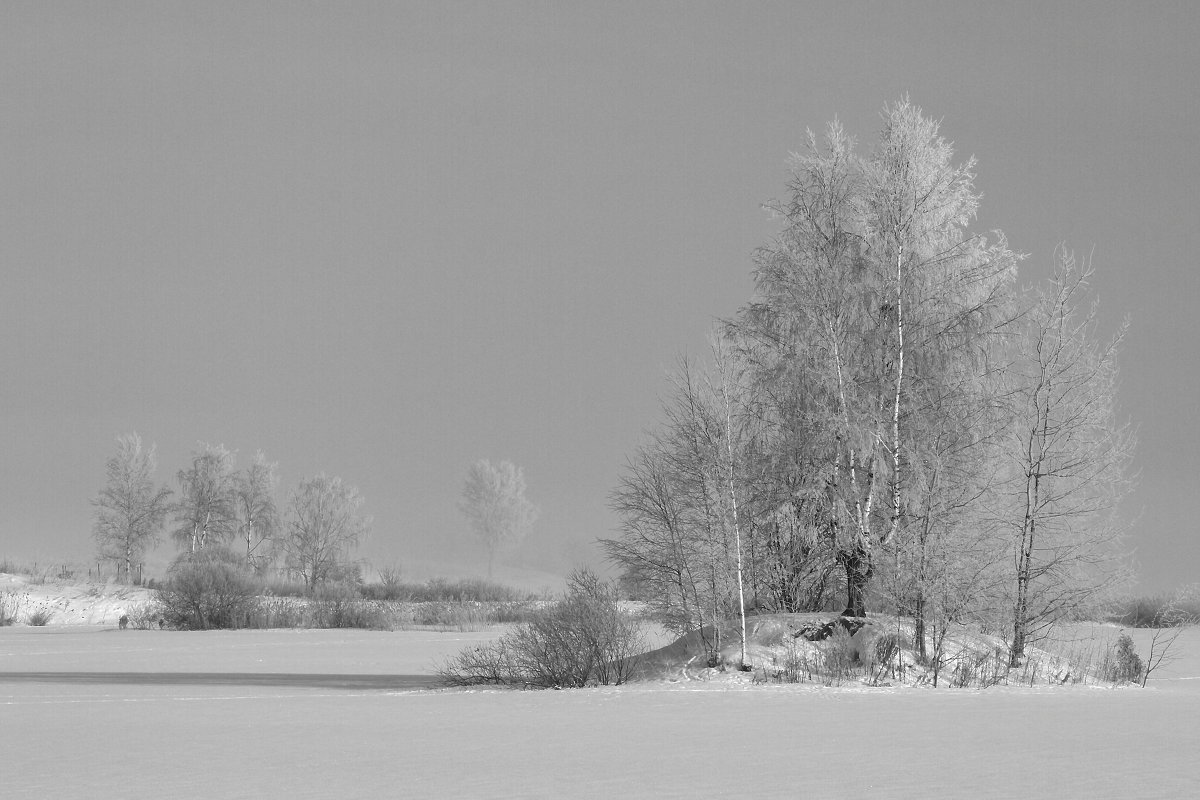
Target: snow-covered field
[(297, 714)]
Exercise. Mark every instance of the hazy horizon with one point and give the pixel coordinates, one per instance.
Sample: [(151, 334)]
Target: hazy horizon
[(384, 240)]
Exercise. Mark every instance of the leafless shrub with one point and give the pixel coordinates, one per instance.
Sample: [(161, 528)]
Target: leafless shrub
[(208, 589), (584, 639), (883, 654), (1175, 615), (979, 667), (10, 606), (839, 657), (796, 664), (40, 616), (145, 616), (341, 607)]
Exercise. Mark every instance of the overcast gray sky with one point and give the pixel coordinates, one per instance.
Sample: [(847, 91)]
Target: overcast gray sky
[(383, 240)]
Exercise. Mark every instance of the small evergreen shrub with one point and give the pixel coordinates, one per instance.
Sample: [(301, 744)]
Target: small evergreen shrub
[(1125, 666)]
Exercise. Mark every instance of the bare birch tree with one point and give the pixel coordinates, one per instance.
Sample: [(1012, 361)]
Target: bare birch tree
[(657, 550), (131, 510), (733, 392), (1070, 457), (258, 514), (324, 525), (207, 506)]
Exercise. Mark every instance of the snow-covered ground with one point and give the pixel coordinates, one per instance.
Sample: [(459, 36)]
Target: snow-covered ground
[(68, 603), (283, 718)]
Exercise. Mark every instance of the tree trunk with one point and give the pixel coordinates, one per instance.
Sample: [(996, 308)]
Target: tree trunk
[(249, 536), (857, 563), (1021, 611), (919, 626)]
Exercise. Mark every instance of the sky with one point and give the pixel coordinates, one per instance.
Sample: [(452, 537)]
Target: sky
[(384, 240)]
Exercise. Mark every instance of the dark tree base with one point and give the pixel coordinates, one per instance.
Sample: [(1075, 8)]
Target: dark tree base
[(819, 633)]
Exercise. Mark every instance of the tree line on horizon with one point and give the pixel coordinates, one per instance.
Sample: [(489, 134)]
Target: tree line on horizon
[(219, 507), (892, 420)]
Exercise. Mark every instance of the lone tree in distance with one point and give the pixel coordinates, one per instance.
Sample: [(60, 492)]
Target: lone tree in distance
[(323, 526), (493, 499), (131, 510)]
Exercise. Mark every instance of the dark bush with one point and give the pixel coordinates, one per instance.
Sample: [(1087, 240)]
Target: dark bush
[(1125, 665), (208, 589), (40, 617), (586, 638)]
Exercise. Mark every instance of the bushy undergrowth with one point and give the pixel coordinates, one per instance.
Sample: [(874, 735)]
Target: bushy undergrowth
[(208, 589), (439, 590), (211, 589), (1157, 611), (40, 617), (584, 639), (968, 660), (391, 589), (146, 615)]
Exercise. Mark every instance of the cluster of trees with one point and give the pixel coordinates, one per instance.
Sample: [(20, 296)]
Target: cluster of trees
[(218, 505), (890, 420)]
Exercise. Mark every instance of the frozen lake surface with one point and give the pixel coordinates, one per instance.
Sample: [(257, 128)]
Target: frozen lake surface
[(95, 713)]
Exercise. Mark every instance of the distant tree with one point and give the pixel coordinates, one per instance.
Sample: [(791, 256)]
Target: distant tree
[(130, 511), (258, 514), (493, 499), (323, 526), (207, 504), (1070, 457)]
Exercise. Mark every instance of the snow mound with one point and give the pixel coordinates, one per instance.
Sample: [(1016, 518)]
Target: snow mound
[(70, 604), (879, 651)]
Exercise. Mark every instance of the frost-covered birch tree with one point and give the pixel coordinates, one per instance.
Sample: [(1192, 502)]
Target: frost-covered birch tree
[(874, 281), (131, 510), (207, 506), (324, 525), (257, 512), (1070, 456)]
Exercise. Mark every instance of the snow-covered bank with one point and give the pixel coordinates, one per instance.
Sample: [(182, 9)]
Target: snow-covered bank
[(71, 604)]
